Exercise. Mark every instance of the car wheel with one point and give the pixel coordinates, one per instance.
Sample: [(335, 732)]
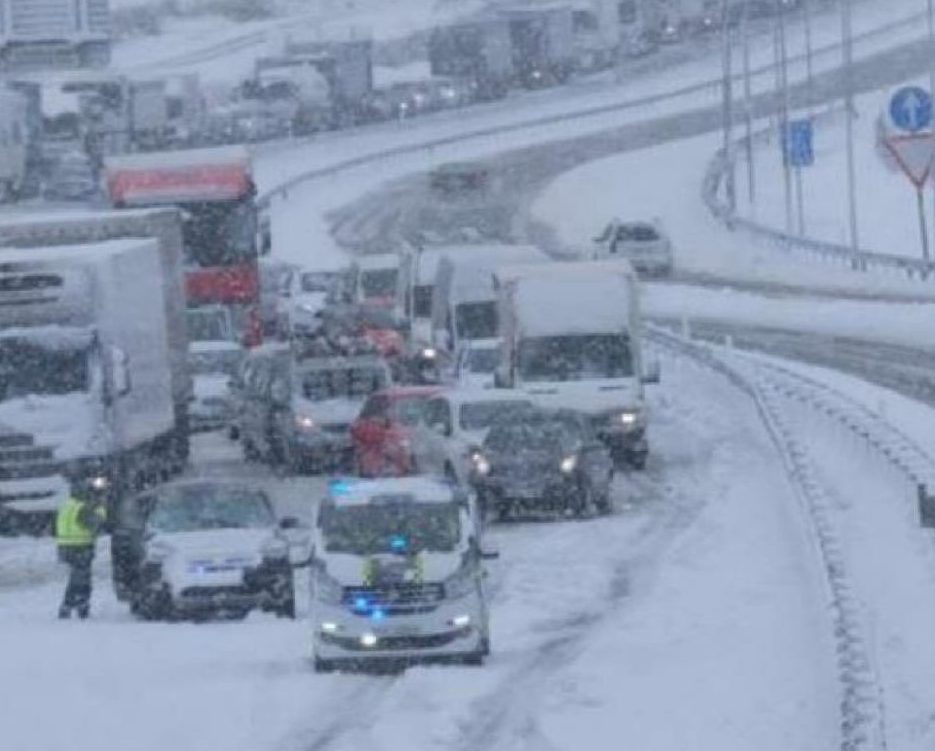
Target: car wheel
[(450, 473), (250, 452), (323, 666), (583, 503), (152, 604)]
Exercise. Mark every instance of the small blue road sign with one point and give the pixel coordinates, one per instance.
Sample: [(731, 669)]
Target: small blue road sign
[(911, 109), (797, 143)]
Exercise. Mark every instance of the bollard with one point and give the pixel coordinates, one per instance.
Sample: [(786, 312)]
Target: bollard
[(926, 507)]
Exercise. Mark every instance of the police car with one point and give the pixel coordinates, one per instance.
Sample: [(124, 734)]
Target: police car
[(397, 575)]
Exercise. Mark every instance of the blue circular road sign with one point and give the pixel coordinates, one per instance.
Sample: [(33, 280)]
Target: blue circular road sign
[(911, 109)]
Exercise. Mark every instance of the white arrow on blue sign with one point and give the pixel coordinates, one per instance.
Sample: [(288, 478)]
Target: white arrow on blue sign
[(910, 109)]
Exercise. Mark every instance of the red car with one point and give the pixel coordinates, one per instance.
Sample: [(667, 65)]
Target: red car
[(381, 433)]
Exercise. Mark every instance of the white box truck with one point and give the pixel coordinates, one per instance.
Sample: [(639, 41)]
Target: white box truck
[(93, 356), (572, 338)]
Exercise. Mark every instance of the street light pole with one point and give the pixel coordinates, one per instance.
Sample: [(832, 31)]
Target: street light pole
[(784, 108), (728, 110), (748, 107), (848, 60)]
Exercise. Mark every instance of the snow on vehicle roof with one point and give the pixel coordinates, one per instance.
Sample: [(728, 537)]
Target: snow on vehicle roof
[(22, 215), (459, 396), (52, 336), (340, 363), (555, 305), (378, 261), (180, 159), (203, 346), (567, 269), (403, 392), (72, 254), (357, 491)]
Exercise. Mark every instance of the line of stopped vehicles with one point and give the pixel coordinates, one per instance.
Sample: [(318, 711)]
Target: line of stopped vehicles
[(441, 389)]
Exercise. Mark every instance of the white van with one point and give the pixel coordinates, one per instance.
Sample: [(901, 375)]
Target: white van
[(397, 575), (464, 301)]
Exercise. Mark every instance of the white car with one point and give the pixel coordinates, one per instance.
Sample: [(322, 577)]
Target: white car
[(303, 295), (455, 425), (476, 362), (644, 244), (199, 547), (397, 575), (212, 364)]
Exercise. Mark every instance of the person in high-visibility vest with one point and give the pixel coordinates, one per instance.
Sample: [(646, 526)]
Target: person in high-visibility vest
[(77, 525)]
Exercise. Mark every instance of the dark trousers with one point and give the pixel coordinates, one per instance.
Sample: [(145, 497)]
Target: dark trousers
[(78, 591)]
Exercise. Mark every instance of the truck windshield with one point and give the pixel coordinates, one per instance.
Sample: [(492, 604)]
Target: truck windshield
[(318, 385), (219, 233), (190, 509), (578, 357), (215, 362), (30, 368), (374, 529), (379, 282), (476, 320), (208, 325)]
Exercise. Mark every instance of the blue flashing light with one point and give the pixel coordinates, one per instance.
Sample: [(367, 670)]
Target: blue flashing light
[(377, 615), (339, 488), (399, 543), (361, 603)]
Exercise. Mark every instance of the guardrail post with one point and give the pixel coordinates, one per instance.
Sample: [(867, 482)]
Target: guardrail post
[(926, 507)]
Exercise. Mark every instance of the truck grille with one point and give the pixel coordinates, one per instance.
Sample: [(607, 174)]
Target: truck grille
[(21, 459), (404, 598)]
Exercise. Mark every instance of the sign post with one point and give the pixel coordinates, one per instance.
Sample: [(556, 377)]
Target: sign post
[(798, 151), (906, 141)]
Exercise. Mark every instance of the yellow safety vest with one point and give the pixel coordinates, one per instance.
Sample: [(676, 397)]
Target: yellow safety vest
[(69, 531)]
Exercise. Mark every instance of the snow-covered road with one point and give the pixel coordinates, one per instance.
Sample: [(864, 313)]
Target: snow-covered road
[(667, 608)]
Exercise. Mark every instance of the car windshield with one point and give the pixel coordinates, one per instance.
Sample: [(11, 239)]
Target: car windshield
[(220, 362), (575, 358), (206, 507), (373, 528), (637, 233), (526, 436), (43, 369), (476, 320), (481, 415), (314, 281), (335, 383), (379, 282), (483, 360)]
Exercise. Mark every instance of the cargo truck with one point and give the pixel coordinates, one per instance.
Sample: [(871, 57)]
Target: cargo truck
[(542, 42), (54, 34), (214, 190), (478, 52), (572, 339), (88, 371)]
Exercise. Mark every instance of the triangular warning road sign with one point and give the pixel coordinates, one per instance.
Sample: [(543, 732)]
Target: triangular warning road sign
[(913, 154)]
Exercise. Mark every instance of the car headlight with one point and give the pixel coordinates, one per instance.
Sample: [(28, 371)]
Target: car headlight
[(304, 422), (429, 353), (481, 463), (276, 547), (158, 551), (328, 590), (568, 464), (460, 583)]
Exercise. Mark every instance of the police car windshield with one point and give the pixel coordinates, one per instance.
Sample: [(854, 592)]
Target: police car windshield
[(399, 528), (201, 507)]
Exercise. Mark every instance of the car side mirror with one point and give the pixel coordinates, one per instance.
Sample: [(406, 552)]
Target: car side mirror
[(120, 371), (652, 372)]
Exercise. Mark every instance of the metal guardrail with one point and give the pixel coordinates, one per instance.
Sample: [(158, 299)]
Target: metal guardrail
[(862, 715), (841, 255)]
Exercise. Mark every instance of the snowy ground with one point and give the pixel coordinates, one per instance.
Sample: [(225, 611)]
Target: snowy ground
[(659, 619), (886, 200)]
